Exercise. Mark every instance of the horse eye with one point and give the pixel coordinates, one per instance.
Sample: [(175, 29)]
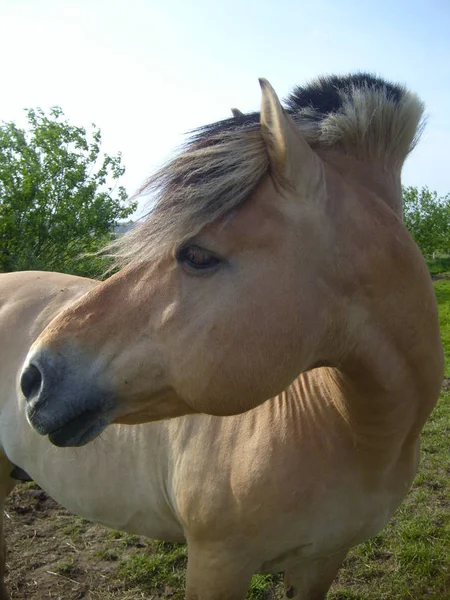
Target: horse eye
[(197, 260)]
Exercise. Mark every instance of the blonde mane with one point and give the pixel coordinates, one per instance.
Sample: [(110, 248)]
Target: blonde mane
[(222, 163)]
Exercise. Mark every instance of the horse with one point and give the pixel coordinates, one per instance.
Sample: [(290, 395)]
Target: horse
[(254, 377)]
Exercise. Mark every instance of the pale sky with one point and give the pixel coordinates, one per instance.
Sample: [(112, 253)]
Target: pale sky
[(146, 72)]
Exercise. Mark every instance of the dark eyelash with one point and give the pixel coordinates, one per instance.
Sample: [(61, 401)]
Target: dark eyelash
[(197, 259)]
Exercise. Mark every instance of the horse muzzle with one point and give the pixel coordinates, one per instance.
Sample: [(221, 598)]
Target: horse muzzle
[(65, 404)]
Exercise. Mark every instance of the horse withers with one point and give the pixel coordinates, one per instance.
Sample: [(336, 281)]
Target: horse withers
[(261, 365)]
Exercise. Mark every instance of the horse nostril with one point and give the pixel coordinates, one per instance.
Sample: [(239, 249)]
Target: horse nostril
[(31, 381)]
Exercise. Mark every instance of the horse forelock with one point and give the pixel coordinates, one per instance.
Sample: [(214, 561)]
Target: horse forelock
[(223, 162)]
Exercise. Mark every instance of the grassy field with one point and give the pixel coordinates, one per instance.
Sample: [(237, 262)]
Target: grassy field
[(56, 555)]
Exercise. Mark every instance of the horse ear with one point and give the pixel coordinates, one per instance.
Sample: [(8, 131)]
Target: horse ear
[(236, 113), (293, 163)]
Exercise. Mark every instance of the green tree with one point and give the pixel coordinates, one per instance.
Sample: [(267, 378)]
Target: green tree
[(427, 218), (59, 198)]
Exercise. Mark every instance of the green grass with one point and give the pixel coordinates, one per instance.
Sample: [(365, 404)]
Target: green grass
[(264, 587), (108, 555), (65, 568), (408, 560), (76, 529), (161, 571)]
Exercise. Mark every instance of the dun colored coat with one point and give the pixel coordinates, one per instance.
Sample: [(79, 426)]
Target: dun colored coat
[(272, 288)]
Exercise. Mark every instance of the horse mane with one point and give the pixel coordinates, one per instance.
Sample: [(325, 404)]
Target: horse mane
[(222, 163), (361, 114)]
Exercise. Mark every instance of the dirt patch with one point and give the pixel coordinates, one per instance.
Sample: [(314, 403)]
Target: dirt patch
[(53, 554)]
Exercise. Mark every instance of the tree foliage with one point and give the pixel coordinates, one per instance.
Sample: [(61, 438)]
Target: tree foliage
[(427, 218), (59, 197)]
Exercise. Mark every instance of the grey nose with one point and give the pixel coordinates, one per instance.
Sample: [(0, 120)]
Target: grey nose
[(31, 382), (36, 383), (66, 402)]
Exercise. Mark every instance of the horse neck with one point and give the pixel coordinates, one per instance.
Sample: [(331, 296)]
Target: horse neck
[(381, 413), (390, 379), (386, 372), (380, 181)]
